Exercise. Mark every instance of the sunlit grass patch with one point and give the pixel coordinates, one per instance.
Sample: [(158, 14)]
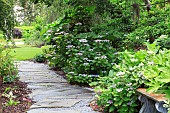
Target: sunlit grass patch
[(23, 52)]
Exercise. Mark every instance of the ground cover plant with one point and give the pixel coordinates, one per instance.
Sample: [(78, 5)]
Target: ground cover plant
[(15, 97)]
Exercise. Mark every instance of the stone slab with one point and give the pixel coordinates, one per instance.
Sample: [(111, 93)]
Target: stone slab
[(75, 96), (50, 111), (55, 103)]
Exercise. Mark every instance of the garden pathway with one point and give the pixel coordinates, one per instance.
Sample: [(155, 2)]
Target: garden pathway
[(52, 93)]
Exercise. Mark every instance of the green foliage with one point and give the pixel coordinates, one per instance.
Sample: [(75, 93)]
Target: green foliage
[(40, 58), (167, 105), (8, 93), (116, 92), (69, 41), (151, 26), (88, 56), (1, 36), (163, 41), (32, 35), (26, 31), (95, 56), (7, 68), (114, 32), (148, 33), (10, 79), (157, 71), (145, 68), (7, 18), (48, 2)]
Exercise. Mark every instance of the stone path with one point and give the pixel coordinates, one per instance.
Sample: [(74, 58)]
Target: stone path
[(52, 93)]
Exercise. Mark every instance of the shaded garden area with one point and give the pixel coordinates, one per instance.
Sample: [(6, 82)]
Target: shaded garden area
[(113, 46)]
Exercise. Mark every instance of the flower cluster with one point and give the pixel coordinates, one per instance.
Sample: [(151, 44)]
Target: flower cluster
[(86, 55), (99, 41), (82, 40)]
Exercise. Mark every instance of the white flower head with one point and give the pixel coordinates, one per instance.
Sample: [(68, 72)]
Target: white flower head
[(83, 40), (85, 64), (103, 57), (140, 65), (120, 73), (80, 54), (119, 90), (98, 41), (150, 52), (151, 63), (85, 58), (69, 46), (79, 23), (91, 49), (133, 60)]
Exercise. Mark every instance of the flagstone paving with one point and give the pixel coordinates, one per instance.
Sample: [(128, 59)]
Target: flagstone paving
[(52, 93)]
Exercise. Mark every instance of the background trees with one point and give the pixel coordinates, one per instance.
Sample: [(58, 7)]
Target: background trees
[(6, 17)]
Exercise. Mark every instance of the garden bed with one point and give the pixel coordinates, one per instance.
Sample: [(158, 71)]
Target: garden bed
[(21, 92)]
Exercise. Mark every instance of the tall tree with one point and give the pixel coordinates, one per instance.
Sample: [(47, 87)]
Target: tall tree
[(7, 18)]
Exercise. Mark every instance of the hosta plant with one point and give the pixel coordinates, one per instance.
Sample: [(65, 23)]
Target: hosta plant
[(157, 72)]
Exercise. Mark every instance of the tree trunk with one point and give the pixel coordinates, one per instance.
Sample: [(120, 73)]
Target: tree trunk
[(148, 5), (1, 81)]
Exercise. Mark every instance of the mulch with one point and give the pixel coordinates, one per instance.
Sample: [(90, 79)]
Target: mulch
[(20, 91)]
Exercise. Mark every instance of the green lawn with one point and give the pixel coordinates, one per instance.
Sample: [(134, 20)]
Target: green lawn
[(25, 52)]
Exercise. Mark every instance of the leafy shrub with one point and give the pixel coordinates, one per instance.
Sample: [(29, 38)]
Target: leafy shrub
[(32, 35), (157, 71), (69, 40), (116, 92), (10, 78), (145, 68), (88, 56), (26, 30), (84, 57), (151, 26), (147, 33), (163, 41), (114, 32), (40, 58), (8, 70)]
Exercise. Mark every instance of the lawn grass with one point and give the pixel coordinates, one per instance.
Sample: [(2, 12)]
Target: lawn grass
[(24, 52)]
